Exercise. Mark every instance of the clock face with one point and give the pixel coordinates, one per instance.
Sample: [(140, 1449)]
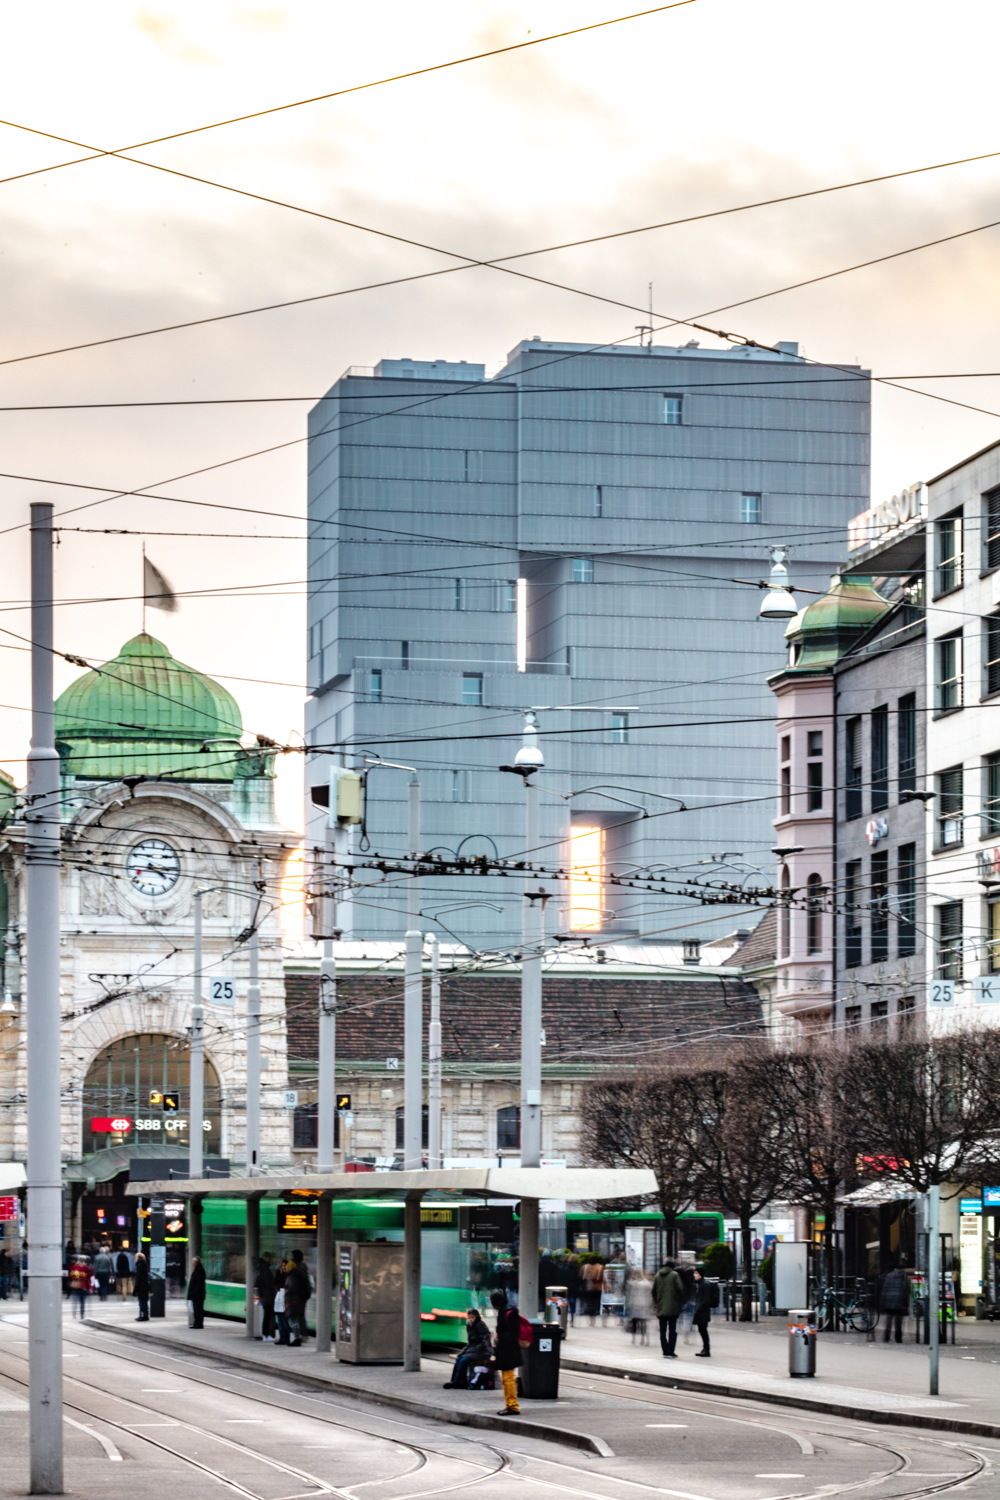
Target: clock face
[(153, 867)]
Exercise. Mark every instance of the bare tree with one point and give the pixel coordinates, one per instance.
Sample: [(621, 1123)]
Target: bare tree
[(646, 1119)]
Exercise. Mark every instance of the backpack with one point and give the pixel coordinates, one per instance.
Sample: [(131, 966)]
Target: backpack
[(713, 1294), (524, 1333)]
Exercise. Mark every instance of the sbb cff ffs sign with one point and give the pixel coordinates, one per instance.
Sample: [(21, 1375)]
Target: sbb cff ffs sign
[(8, 1210), (111, 1125)]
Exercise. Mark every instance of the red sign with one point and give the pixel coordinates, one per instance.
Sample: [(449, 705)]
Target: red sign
[(8, 1210), (111, 1125)]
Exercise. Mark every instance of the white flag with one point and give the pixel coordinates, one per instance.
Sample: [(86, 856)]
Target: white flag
[(157, 593)]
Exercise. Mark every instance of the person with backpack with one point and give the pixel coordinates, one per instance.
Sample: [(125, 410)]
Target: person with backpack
[(706, 1296), (894, 1301), (512, 1337)]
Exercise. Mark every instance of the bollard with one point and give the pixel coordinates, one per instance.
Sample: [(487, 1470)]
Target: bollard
[(801, 1342)]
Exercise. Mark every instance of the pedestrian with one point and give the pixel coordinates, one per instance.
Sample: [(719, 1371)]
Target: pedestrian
[(507, 1351), (79, 1285), (894, 1301), (298, 1290), (6, 1272), (591, 1286), (141, 1287), (280, 1316), (639, 1308), (706, 1296), (196, 1295), (123, 1274), (478, 1350), (104, 1269), (685, 1271), (266, 1291), (571, 1276), (668, 1299)]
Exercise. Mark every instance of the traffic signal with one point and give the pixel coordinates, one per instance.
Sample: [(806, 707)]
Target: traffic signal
[(171, 1103), (343, 1102), (155, 1099)]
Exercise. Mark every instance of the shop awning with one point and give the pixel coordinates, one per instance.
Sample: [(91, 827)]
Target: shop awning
[(874, 1194), (11, 1176)]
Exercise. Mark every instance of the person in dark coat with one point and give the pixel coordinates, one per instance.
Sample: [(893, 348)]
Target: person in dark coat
[(196, 1293), (507, 1351), (298, 1290), (668, 1299), (478, 1351), (141, 1287), (104, 1270), (894, 1302), (704, 1295), (265, 1287), (123, 1274)]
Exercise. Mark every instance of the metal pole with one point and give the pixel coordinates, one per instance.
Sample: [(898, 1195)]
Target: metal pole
[(252, 1256), (933, 1281), (42, 847), (413, 1001), (324, 1274), (532, 939), (434, 1159), (326, 1118), (253, 1034), (411, 1282), (196, 1104)]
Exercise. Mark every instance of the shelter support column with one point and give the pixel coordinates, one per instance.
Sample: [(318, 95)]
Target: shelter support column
[(252, 1257), (194, 1227), (411, 1282), (528, 1258), (324, 1273)]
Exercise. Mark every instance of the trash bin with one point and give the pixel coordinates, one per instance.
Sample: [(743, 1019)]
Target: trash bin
[(801, 1342), (557, 1307), (540, 1371)]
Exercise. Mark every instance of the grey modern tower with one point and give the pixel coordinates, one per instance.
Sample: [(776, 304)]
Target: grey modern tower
[(564, 536)]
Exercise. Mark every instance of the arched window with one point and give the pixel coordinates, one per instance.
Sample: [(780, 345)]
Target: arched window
[(305, 1127), (146, 1081), (784, 916), (424, 1127), (509, 1128), (814, 914)]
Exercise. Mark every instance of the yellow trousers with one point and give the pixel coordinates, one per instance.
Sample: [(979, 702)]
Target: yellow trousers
[(509, 1378)]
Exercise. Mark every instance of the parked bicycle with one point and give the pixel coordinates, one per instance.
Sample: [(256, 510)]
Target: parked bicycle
[(854, 1310)]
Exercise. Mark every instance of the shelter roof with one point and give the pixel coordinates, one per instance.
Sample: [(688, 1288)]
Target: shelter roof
[(591, 1184)]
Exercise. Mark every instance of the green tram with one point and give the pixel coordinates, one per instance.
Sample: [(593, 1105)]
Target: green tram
[(455, 1274)]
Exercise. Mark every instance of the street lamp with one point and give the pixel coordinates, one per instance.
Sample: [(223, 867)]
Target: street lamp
[(779, 601)]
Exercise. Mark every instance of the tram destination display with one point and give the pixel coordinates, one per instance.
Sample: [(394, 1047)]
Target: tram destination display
[(486, 1226), (298, 1218)]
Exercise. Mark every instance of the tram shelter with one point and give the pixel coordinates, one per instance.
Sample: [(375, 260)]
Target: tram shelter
[(576, 1184)]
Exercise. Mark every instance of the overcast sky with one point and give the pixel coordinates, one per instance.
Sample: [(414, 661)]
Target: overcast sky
[(717, 103)]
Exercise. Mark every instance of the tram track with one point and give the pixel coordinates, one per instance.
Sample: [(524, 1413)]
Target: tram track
[(509, 1465)]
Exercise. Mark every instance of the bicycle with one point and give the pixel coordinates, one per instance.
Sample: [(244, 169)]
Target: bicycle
[(855, 1309)]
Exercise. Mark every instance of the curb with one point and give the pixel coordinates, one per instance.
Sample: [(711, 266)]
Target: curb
[(564, 1435), (803, 1403)]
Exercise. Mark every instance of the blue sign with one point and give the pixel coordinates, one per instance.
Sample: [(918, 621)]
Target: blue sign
[(991, 1197), (970, 1206)]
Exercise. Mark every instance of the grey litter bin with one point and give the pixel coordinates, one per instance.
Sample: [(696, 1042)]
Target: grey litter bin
[(801, 1342), (540, 1371), (557, 1307)]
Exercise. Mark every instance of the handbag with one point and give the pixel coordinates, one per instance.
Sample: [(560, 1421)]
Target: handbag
[(190, 1314)]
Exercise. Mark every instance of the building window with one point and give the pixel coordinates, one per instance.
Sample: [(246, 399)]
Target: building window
[(598, 499), (305, 1128), (786, 775), (852, 1017), (673, 410), (852, 770), (459, 786), (948, 553), (949, 940), (691, 950), (991, 655), (852, 913), (750, 510), (991, 796), (880, 906), (619, 729), (472, 689), (814, 770), (509, 1128), (400, 1127), (814, 914), (880, 757), (993, 937), (948, 673), (505, 596), (458, 593), (906, 893), (880, 1016), (586, 878), (583, 570), (785, 916), (991, 528), (906, 742), (905, 1012), (950, 796), (404, 656), (473, 464), (375, 685)]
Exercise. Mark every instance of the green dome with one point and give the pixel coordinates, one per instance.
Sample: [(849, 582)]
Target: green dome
[(821, 633), (145, 714)]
